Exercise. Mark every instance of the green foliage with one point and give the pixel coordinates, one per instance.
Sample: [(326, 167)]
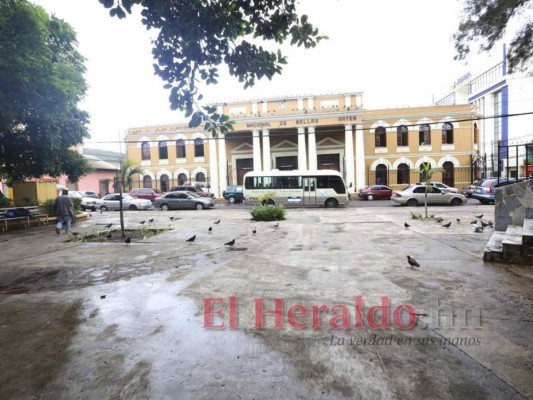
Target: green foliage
[(41, 84), (5, 202), (76, 202), (48, 206), (265, 198), (127, 170), (274, 212), (194, 37), (415, 215), (487, 20)]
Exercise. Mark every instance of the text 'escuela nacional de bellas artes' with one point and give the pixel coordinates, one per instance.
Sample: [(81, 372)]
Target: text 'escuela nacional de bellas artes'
[(331, 131)]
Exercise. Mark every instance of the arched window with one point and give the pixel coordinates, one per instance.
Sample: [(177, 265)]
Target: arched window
[(381, 175), (198, 147), (200, 177), (147, 182), (403, 174), (180, 148), (380, 137), (402, 136), (163, 150), (423, 176), (145, 151), (163, 180), (447, 133), (424, 135), (182, 178), (448, 174)]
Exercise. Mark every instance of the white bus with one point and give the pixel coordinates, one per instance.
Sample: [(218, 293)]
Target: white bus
[(296, 188)]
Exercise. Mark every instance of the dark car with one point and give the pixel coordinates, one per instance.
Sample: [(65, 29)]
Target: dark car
[(375, 192), (194, 189), (183, 200), (486, 191), (146, 193), (469, 189), (233, 194)]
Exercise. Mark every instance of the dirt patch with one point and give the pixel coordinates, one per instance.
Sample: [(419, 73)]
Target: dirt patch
[(115, 235), (34, 338)]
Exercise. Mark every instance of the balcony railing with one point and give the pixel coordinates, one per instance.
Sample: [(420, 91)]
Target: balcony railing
[(487, 78)]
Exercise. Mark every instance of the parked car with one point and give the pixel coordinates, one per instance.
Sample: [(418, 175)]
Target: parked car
[(112, 202), (146, 193), (89, 193), (194, 189), (415, 195), (485, 192), (442, 186), (469, 189), (375, 192), (183, 199), (87, 203), (233, 194)]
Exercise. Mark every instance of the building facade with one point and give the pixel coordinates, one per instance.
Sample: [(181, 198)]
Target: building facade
[(386, 146)]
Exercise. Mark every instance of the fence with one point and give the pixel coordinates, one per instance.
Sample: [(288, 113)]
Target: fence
[(514, 161)]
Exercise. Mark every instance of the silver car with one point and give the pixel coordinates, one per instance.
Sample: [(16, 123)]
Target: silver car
[(183, 199), (442, 186), (87, 203), (415, 195), (112, 202)]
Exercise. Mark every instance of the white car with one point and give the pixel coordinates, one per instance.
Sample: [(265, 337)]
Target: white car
[(112, 202), (87, 203), (442, 186), (415, 195)]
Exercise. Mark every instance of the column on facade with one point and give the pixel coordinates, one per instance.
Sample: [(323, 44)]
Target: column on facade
[(257, 150), (360, 177), (348, 157), (213, 170), (267, 164), (222, 165), (302, 159), (312, 148)]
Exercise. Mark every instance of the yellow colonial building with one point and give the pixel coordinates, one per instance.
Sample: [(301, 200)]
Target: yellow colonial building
[(387, 146)]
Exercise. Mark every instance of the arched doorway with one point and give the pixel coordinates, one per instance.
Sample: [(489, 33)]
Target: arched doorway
[(403, 174), (448, 174), (163, 181), (182, 178), (147, 182), (381, 175)]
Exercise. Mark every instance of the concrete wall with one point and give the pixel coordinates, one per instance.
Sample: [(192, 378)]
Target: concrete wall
[(513, 204), (35, 192)]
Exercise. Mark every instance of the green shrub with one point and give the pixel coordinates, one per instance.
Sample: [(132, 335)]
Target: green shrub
[(415, 215), (77, 205), (48, 207), (274, 212), (5, 202)]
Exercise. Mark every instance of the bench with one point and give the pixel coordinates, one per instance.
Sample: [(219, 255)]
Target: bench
[(22, 222)]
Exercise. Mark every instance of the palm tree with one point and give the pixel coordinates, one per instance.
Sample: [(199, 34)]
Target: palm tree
[(426, 173), (125, 179)]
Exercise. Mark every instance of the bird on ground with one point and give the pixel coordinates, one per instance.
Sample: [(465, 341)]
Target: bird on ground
[(447, 225), (151, 220), (478, 229), (75, 234), (109, 225), (142, 222), (412, 262), (276, 224), (217, 222), (230, 243), (210, 229), (484, 224), (490, 224), (127, 241), (406, 225), (90, 215), (439, 220), (191, 239), (474, 222), (171, 218), (254, 231), (458, 220), (479, 216)]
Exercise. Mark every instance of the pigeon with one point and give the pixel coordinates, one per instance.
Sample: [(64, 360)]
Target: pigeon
[(406, 225), (217, 222), (90, 215), (254, 231), (447, 225), (276, 225), (490, 224), (151, 220), (412, 262), (142, 222), (127, 241), (210, 229), (484, 224), (230, 243), (109, 225), (478, 229), (75, 234), (479, 216), (191, 239), (171, 218), (458, 220), (438, 220), (474, 222)]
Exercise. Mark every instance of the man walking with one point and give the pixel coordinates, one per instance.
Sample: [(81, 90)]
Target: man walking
[(64, 210)]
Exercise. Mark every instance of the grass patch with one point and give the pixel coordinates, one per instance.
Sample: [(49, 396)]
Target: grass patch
[(274, 212)]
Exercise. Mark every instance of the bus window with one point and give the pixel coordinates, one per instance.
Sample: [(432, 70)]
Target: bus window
[(322, 182), (295, 182), (337, 184)]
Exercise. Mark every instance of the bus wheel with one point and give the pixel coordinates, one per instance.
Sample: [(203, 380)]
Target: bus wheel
[(271, 202), (264, 203), (331, 203)]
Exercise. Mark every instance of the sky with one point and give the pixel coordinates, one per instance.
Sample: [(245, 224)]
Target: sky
[(398, 53)]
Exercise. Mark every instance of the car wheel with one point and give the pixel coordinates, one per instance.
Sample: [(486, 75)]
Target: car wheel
[(164, 207), (82, 208), (132, 207), (483, 201), (103, 208), (199, 206), (231, 199), (456, 202), (370, 197), (412, 203), (331, 203)]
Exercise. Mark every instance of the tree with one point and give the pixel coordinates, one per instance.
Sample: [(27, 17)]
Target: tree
[(488, 20), (426, 175), (41, 83), (196, 36), (125, 178)]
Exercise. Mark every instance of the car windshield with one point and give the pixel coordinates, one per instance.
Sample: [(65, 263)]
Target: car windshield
[(127, 197), (75, 194), (192, 194)]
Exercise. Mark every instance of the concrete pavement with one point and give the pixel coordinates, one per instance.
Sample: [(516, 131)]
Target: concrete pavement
[(83, 320)]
